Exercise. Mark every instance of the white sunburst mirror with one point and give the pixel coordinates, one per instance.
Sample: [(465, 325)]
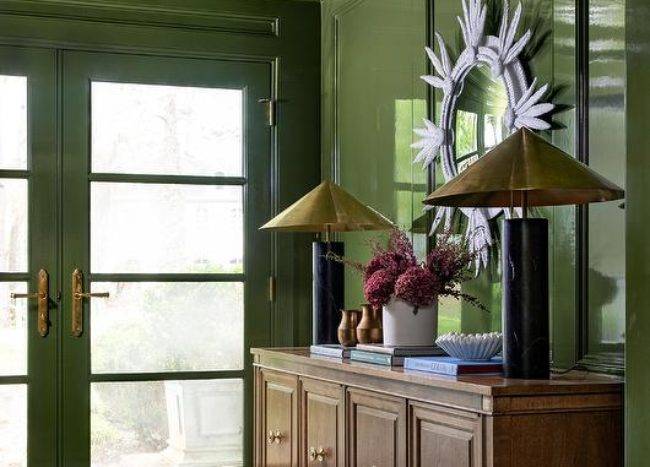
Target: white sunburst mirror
[(525, 106)]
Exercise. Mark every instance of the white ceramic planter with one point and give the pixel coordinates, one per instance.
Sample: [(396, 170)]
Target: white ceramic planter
[(403, 328)]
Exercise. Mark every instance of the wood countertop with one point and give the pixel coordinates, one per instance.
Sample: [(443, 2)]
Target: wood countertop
[(299, 361)]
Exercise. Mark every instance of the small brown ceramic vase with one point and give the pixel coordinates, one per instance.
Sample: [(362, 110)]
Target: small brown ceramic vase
[(347, 328), (369, 328)]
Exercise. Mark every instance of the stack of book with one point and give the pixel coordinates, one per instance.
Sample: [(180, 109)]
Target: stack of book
[(380, 354), (431, 359)]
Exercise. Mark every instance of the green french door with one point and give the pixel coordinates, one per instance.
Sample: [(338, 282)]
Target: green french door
[(29, 243), (143, 205)]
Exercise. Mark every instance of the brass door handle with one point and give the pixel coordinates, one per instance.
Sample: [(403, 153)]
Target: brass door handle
[(14, 295), (274, 438), (43, 297), (317, 454), (77, 301), (80, 295)]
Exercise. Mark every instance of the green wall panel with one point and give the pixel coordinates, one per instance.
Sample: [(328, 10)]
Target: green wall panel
[(637, 387), (373, 55)]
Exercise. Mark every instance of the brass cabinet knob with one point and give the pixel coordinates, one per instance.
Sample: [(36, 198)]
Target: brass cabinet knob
[(274, 437), (317, 454)]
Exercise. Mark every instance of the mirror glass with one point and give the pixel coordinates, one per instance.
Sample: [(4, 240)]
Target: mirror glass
[(479, 116)]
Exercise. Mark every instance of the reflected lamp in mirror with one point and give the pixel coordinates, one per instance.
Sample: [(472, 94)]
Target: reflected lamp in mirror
[(525, 170), (327, 208)]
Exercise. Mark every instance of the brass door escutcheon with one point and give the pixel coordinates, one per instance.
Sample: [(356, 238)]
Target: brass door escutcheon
[(43, 297), (77, 301)]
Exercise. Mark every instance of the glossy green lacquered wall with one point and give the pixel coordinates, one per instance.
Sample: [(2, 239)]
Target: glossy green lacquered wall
[(373, 98), (372, 56)]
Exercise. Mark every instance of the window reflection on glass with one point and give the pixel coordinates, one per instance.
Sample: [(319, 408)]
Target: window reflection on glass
[(153, 129), (158, 326), (466, 133), (166, 228), (13, 425), (606, 277), (448, 315), (13, 225), (13, 330), (466, 162), (13, 122), (479, 116), (492, 130), (167, 423)]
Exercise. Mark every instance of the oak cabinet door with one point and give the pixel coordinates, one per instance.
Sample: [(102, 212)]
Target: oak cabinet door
[(376, 429), (278, 411), (441, 437), (322, 423)]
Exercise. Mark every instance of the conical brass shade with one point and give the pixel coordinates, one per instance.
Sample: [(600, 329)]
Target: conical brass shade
[(525, 169), (328, 207)]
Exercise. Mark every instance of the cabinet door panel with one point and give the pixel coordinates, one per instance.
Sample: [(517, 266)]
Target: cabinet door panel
[(322, 423), (376, 429), (279, 414), (443, 437)]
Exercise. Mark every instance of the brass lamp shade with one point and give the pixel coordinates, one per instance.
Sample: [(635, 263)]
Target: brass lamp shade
[(525, 170), (328, 207)]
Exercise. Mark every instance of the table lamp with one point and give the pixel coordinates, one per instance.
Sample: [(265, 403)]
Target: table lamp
[(327, 208), (525, 170)]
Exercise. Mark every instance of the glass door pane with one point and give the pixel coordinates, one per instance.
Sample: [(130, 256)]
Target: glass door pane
[(135, 228), (199, 326), (166, 423), (165, 224), (175, 130)]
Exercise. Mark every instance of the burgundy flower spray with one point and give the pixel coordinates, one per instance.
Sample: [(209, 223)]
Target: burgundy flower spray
[(395, 271)]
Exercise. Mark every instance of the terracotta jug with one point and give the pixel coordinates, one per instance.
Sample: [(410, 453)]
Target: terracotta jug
[(347, 328), (369, 328)]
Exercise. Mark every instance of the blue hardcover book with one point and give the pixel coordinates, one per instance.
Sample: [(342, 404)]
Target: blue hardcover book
[(453, 366)]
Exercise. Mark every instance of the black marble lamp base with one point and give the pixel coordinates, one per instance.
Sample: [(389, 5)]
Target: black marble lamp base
[(328, 297), (525, 299)]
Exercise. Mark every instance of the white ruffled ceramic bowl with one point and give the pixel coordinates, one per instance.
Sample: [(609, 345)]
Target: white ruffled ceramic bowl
[(471, 346)]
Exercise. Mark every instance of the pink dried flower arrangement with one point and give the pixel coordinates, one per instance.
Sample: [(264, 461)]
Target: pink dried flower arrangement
[(417, 286), (379, 287), (394, 271)]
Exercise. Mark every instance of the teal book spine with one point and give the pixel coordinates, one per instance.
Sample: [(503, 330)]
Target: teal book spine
[(371, 357)]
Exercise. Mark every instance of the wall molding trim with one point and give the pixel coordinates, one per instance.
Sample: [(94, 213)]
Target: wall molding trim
[(337, 17), (140, 15)]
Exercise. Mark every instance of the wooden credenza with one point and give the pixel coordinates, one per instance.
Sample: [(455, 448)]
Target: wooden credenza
[(322, 412)]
